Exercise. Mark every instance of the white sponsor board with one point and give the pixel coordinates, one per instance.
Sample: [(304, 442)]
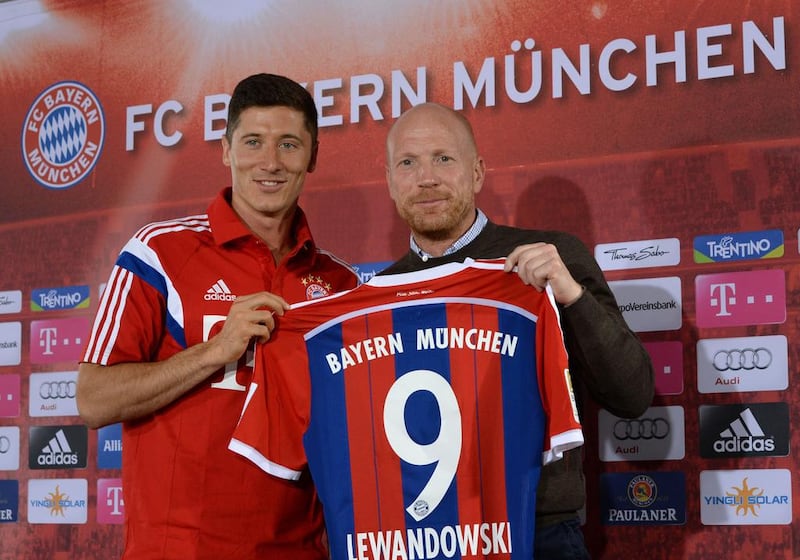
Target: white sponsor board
[(742, 364), (656, 435), (650, 304), (746, 497)]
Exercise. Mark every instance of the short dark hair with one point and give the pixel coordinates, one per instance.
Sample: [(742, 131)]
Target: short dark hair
[(271, 90)]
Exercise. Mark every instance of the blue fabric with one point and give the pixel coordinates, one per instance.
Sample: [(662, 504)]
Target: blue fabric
[(560, 541)]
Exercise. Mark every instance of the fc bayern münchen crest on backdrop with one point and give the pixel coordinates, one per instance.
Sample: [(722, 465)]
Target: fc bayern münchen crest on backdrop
[(62, 135)]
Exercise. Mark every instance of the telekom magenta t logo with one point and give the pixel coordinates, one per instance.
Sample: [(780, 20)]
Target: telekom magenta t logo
[(58, 340), (740, 298)]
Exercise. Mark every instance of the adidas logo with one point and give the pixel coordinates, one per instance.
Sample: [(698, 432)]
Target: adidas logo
[(57, 451), (219, 292), (744, 434)]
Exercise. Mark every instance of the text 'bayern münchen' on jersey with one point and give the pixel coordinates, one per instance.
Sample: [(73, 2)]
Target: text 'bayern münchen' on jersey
[(424, 405)]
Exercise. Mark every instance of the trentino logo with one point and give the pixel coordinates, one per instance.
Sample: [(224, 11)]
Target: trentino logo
[(748, 245), (219, 292), (366, 271), (62, 135), (737, 430), (58, 447), (56, 299)]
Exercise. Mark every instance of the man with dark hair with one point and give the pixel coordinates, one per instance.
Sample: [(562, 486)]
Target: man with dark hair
[(170, 352), (434, 172)]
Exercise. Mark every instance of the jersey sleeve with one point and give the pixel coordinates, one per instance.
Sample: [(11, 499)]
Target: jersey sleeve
[(563, 430), (129, 322), (275, 413)]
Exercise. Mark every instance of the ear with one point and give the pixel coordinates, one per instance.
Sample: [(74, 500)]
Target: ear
[(226, 151), (478, 174), (312, 164)]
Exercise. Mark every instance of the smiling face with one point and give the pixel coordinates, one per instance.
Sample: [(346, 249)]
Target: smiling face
[(434, 172), (269, 154)]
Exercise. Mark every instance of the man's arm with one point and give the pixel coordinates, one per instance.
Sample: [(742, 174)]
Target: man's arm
[(126, 391), (604, 353)]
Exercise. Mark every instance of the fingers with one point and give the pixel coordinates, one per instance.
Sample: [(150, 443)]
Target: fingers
[(538, 264), (250, 317)]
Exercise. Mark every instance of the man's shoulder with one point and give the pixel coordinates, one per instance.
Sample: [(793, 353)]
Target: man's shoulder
[(166, 233)]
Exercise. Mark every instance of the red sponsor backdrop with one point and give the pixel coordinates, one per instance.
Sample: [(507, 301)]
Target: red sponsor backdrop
[(614, 120)]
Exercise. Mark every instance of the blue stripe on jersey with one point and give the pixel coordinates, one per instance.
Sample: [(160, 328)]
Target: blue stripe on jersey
[(329, 459), (422, 415), (140, 268), (523, 425)]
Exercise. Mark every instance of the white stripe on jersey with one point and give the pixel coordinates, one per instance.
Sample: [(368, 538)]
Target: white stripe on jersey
[(111, 306)]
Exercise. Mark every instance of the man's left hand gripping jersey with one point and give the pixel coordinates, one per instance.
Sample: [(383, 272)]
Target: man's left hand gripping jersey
[(424, 405)]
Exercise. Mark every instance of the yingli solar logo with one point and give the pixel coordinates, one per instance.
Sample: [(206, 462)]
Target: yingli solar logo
[(62, 135)]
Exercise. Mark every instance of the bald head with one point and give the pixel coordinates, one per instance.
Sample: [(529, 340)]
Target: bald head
[(429, 115)]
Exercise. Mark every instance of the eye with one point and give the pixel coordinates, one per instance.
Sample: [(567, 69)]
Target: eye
[(404, 163), (253, 142), (445, 159), (287, 146)]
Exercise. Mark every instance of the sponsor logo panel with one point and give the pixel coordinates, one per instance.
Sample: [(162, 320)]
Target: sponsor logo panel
[(110, 505), (9, 501), (742, 364), (10, 343), (62, 135), (58, 447), (9, 448), (743, 430), (57, 501), (658, 434), (652, 304), (10, 302), (740, 246), (746, 497), (667, 358), (53, 394), (9, 395), (740, 298), (109, 447), (652, 498), (57, 299), (638, 254), (58, 340)]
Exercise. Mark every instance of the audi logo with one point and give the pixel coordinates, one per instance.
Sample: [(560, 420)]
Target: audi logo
[(641, 428), (5, 445), (746, 358), (57, 390)]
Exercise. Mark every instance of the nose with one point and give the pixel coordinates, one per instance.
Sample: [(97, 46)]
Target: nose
[(426, 175), (271, 159)]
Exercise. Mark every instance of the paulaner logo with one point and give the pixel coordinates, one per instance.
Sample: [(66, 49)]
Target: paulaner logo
[(62, 135)]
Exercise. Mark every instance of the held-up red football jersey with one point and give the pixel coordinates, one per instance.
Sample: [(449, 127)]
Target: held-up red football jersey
[(425, 405)]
